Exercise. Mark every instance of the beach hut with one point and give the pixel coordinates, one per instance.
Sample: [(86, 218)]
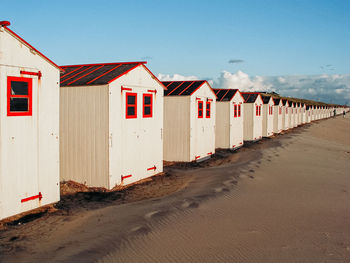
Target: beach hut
[(252, 119), (303, 113), (308, 113), (285, 115), (29, 117), (111, 124), (189, 121), (294, 114), (267, 116), (278, 113), (229, 119), (299, 113)]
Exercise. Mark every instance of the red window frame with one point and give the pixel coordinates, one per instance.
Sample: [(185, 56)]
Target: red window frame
[(239, 110), (147, 105), (260, 110), (257, 110), (127, 105), (200, 109), (271, 110), (29, 96), (208, 109), (235, 110), (280, 110)]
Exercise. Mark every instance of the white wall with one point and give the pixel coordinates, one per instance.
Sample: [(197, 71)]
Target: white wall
[(135, 144), (29, 152), (202, 134), (267, 119)]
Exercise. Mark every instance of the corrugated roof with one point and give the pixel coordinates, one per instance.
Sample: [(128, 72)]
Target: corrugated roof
[(225, 94), (276, 101), (266, 99), (250, 97), (182, 88), (95, 74)]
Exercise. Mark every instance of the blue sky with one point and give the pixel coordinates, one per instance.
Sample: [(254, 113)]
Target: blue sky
[(197, 38)]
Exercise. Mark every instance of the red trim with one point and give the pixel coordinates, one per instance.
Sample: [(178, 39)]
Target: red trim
[(210, 153), (176, 87), (31, 73), (105, 64), (128, 89), (126, 72), (209, 99), (239, 110), (65, 75), (241, 143), (29, 96), (152, 90), (198, 98), (5, 23), (84, 75), (103, 73), (200, 110), (208, 109), (147, 105), (224, 95), (152, 168), (154, 77), (127, 105), (187, 87), (233, 146), (30, 46), (39, 196), (76, 74), (197, 157), (235, 111), (126, 176)]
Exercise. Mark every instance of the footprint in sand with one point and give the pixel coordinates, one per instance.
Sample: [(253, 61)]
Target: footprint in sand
[(190, 204), (140, 230), (156, 213)]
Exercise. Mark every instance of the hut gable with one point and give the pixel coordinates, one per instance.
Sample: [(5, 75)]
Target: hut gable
[(251, 97), (182, 88)]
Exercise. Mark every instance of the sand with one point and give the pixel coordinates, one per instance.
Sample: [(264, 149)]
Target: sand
[(285, 199)]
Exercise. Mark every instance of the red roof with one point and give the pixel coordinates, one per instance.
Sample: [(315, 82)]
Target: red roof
[(5, 25)]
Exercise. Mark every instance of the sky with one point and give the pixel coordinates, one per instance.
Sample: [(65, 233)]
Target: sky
[(256, 42)]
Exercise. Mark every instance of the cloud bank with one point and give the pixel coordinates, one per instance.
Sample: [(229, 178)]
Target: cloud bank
[(325, 88)]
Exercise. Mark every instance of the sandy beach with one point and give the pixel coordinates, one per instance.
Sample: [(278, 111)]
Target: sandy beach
[(283, 199)]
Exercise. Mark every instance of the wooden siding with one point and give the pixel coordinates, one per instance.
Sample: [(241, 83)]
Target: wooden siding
[(84, 135)]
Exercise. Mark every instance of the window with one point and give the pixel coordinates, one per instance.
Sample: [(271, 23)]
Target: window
[(260, 110), (147, 105), (271, 110), (239, 110), (280, 109), (207, 113), (200, 109), (131, 106), (235, 111), (286, 110), (257, 110), (19, 96)]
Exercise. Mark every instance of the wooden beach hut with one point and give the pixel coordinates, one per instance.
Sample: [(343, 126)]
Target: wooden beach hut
[(278, 115), (294, 115), (285, 116), (308, 113), (189, 121), (299, 113), (111, 124), (252, 121), (229, 119), (267, 116), (29, 117)]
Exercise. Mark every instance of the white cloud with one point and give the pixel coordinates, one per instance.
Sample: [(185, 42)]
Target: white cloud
[(175, 77), (326, 88)]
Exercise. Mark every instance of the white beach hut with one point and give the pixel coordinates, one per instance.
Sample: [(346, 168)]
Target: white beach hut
[(278, 115), (29, 116), (294, 114), (111, 123), (229, 118), (252, 121), (308, 113), (267, 116), (299, 113), (189, 121), (285, 115)]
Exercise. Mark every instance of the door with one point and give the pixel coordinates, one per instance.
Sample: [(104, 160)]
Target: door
[(20, 143)]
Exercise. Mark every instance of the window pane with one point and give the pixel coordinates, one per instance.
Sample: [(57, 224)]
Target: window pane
[(19, 88), (131, 111), (147, 110), (200, 105), (131, 99), (18, 104), (147, 100)]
